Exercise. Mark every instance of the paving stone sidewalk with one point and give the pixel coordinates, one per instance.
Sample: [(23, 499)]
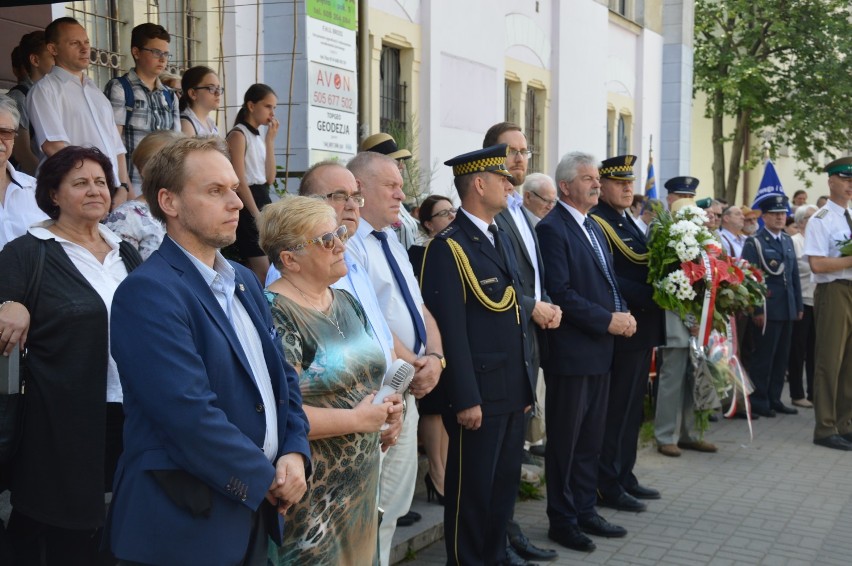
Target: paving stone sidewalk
[(776, 500)]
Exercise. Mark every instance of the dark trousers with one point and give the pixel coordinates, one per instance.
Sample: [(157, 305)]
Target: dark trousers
[(575, 416), (769, 363), (625, 409), (481, 484), (802, 346)]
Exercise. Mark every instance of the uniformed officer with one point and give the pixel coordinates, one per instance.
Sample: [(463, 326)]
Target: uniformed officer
[(675, 418), (617, 485), (771, 250), (832, 273), (470, 285)]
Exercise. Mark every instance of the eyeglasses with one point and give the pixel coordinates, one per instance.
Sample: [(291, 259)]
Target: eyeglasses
[(7, 134), (357, 198), (326, 240), (214, 90), (446, 213), (519, 153), (549, 202), (157, 53)]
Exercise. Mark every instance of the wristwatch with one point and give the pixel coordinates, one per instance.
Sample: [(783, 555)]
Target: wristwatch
[(125, 185), (440, 359)]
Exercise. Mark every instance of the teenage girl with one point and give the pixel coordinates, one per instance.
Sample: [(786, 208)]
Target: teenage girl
[(201, 96), (253, 158)]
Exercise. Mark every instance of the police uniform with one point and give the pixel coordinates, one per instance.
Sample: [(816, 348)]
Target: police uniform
[(675, 417), (776, 257), (617, 485), (832, 320), (470, 286)]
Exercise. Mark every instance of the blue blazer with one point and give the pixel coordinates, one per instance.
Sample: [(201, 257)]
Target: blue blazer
[(784, 296), (193, 471), (575, 281)]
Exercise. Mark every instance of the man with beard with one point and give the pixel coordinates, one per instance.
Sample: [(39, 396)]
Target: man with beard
[(617, 485), (518, 224)]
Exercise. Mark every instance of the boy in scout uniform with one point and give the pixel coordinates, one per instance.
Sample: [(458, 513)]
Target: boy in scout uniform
[(469, 283), (832, 274), (617, 485), (771, 250)]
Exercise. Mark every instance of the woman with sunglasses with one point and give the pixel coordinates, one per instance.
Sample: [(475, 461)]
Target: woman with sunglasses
[(327, 338), (201, 96), (436, 213), (252, 146)]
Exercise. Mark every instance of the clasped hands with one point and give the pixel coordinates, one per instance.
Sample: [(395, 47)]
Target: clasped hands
[(547, 315), (622, 324)]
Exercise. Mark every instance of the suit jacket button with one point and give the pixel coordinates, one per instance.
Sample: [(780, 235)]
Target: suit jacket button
[(259, 407)]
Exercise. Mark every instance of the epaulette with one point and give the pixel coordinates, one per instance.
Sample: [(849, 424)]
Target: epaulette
[(821, 214), (447, 232)]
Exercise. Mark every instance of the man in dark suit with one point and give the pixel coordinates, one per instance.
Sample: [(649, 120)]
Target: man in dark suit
[(470, 286), (771, 249), (518, 224), (617, 485), (579, 277), (215, 437)]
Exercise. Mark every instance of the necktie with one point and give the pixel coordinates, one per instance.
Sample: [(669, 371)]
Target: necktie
[(609, 278), (848, 219), (413, 310)]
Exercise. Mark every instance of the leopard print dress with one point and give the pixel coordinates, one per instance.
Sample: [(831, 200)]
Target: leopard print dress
[(336, 522)]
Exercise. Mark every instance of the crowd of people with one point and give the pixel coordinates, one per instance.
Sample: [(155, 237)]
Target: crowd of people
[(229, 407)]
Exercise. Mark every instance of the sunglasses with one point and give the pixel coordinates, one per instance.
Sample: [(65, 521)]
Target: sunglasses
[(7, 134), (446, 213), (326, 240)]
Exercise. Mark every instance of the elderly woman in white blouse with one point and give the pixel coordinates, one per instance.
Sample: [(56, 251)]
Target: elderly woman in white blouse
[(18, 207)]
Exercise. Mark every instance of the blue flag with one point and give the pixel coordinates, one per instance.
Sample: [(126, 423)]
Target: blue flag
[(770, 185), (651, 183)]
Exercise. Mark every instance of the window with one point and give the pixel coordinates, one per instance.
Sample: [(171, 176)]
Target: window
[(610, 132), (534, 107), (100, 18), (181, 23), (391, 92), (623, 142), (623, 7), (512, 102)]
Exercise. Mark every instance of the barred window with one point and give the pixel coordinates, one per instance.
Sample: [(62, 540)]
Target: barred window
[(623, 141), (534, 111), (391, 92), (181, 22), (101, 20)]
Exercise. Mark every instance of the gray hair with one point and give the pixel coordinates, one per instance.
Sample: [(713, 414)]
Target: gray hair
[(9, 106), (537, 181), (571, 162), (364, 164), (799, 215)]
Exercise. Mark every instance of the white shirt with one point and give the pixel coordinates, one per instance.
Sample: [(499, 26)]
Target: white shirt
[(208, 128), (19, 210), (826, 226), (732, 243), (580, 218), (805, 273), (366, 249), (357, 282), (481, 224), (222, 281), (104, 279), (516, 209), (61, 108), (255, 158)]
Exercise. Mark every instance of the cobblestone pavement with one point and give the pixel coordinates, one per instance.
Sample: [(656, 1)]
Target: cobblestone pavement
[(776, 500)]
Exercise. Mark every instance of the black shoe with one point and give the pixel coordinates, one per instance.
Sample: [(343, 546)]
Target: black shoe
[(742, 415), (526, 458), (847, 437), (512, 559), (432, 491), (713, 418), (597, 525), (408, 519), (521, 545), (624, 502), (571, 537), (768, 413), (642, 492), (537, 450), (834, 441), (784, 409)]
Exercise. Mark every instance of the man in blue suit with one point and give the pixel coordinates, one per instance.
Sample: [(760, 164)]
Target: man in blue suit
[(579, 278), (215, 438), (771, 249)]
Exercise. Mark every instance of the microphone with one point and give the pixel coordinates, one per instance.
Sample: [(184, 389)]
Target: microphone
[(396, 380)]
